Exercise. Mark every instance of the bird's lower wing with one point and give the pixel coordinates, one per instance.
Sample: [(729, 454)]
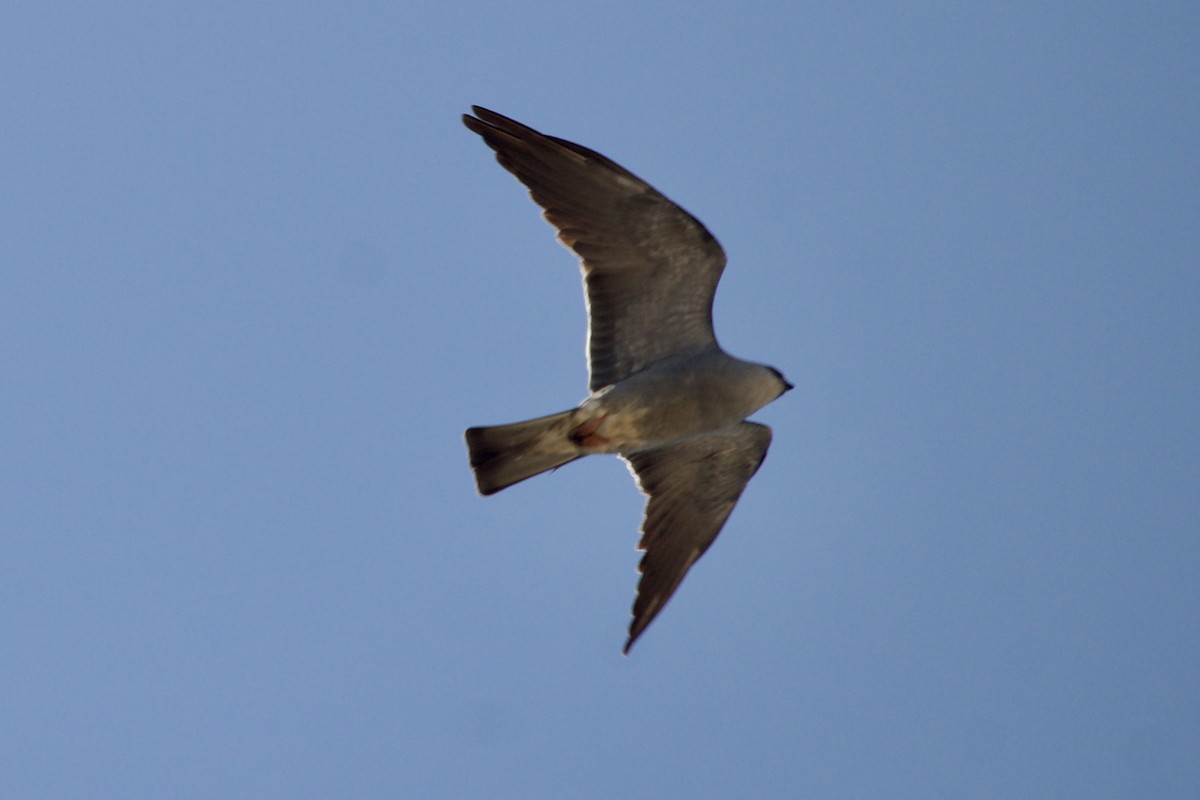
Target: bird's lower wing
[(692, 486)]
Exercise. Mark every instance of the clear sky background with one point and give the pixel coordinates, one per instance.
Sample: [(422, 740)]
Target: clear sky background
[(256, 278)]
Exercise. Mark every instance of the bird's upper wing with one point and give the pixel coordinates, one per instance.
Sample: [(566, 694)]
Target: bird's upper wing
[(693, 486), (650, 269)]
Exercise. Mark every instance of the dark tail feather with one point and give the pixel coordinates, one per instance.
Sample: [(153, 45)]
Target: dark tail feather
[(502, 455)]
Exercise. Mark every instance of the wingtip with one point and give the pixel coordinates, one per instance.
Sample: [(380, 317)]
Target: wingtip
[(636, 629), (474, 124), (484, 116)]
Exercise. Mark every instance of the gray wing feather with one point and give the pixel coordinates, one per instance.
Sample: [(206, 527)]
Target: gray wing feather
[(693, 486), (650, 268)]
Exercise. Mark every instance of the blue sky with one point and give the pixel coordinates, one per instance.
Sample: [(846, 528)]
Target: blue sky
[(256, 278)]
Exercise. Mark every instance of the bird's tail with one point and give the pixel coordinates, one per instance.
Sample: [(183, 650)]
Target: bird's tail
[(502, 455)]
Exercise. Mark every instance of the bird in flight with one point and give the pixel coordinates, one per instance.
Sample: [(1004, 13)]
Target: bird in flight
[(663, 395)]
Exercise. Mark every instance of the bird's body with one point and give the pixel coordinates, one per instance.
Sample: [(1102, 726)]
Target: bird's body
[(664, 396), (679, 397), (668, 401)]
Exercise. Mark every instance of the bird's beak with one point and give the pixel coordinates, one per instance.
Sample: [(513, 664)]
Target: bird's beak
[(787, 387)]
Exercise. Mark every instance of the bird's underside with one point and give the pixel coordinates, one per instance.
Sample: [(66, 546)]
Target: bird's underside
[(650, 272)]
